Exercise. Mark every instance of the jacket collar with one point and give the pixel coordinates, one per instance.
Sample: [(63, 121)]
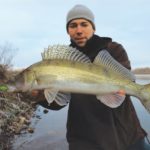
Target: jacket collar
[(93, 46)]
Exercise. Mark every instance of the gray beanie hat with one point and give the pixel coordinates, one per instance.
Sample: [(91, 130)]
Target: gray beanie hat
[(80, 11)]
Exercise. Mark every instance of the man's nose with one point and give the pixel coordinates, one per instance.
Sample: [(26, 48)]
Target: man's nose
[(79, 29)]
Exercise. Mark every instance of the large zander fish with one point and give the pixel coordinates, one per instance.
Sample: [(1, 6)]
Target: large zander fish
[(66, 70)]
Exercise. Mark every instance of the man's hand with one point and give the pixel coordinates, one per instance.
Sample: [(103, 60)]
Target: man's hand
[(35, 93)]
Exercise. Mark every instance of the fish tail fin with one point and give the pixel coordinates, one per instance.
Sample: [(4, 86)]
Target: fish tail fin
[(145, 96)]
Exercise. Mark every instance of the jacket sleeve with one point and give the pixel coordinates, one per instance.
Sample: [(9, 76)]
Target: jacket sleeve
[(119, 53), (52, 106)]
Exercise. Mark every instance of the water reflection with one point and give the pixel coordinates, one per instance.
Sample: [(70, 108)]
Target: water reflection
[(50, 129)]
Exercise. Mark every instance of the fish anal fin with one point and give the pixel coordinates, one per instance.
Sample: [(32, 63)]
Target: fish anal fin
[(113, 100)]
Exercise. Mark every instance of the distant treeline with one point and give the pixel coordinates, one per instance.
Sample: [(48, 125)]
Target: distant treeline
[(141, 70)]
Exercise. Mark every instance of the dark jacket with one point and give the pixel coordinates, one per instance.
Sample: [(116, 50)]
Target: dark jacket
[(90, 121)]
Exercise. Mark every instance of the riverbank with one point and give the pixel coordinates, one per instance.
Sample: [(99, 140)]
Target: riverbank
[(16, 111), (49, 132)]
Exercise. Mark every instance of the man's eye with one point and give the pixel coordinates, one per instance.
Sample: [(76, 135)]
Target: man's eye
[(84, 24), (72, 26)]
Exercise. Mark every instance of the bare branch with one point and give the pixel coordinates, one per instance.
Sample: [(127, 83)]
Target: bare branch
[(7, 53)]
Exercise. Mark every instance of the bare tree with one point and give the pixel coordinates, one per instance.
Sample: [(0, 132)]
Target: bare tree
[(7, 53)]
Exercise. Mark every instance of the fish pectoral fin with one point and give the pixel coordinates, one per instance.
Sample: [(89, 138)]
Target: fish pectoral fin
[(112, 100), (50, 95), (60, 98), (63, 99)]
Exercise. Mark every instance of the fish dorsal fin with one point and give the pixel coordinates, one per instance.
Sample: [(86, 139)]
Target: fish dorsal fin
[(64, 52), (105, 59)]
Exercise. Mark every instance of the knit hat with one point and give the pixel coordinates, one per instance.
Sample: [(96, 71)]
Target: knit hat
[(80, 11)]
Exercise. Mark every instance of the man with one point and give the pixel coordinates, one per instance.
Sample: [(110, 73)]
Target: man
[(91, 125)]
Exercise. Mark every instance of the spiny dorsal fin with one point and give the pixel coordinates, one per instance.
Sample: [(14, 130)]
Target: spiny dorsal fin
[(107, 60), (64, 52)]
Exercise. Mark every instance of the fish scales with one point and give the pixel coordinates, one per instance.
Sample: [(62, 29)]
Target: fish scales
[(74, 74)]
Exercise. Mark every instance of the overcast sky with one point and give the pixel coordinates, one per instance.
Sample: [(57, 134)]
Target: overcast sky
[(32, 25)]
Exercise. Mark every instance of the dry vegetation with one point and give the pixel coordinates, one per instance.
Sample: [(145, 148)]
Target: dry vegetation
[(142, 70)]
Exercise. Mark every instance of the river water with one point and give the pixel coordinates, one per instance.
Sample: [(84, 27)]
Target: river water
[(50, 129)]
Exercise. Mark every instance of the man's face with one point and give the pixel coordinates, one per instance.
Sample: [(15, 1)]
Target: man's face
[(80, 31)]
